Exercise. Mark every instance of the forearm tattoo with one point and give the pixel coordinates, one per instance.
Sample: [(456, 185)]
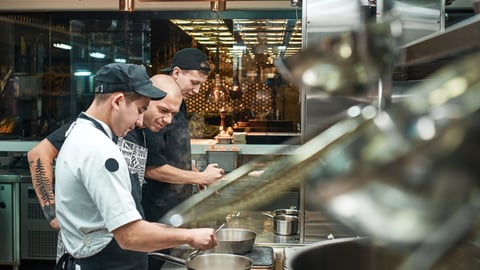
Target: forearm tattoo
[(44, 187)]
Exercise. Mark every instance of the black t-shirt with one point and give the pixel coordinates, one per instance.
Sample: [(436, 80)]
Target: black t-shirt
[(57, 137), (134, 151), (170, 145)]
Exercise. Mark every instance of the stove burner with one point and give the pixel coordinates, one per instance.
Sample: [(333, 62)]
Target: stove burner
[(262, 257)]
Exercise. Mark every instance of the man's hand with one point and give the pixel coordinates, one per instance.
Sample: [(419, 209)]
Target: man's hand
[(54, 224), (49, 212), (211, 174), (203, 238)]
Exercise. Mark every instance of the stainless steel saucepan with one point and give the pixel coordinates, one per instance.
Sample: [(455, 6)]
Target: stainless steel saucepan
[(213, 261), (234, 240), (283, 224)]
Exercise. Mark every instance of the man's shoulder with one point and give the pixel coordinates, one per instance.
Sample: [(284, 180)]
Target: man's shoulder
[(84, 134), (57, 137), (148, 133), (136, 136)]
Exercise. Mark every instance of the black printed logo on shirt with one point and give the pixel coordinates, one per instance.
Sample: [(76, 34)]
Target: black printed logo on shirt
[(111, 164)]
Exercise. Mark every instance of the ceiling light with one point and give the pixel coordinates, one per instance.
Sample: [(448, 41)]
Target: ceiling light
[(82, 73), (97, 55), (62, 46), (120, 60), (176, 21)]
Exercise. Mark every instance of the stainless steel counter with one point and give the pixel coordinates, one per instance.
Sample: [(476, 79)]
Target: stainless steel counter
[(198, 147), (14, 176), (16, 145), (320, 228)]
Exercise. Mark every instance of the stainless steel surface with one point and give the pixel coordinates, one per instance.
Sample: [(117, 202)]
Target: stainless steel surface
[(419, 18), (358, 40), (462, 37)]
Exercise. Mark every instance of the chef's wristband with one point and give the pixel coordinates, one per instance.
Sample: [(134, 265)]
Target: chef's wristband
[(49, 212)]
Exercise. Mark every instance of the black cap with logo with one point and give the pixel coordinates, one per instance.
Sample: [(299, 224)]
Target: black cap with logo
[(189, 59), (119, 77)]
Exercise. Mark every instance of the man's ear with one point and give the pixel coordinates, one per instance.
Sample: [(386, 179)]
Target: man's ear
[(117, 99), (175, 72)]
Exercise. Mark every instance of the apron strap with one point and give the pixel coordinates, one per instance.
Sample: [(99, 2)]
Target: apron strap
[(66, 262)]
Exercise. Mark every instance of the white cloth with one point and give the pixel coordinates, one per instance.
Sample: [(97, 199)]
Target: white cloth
[(94, 197)]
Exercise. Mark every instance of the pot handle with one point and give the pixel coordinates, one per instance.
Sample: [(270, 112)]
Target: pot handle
[(268, 214), (168, 258)]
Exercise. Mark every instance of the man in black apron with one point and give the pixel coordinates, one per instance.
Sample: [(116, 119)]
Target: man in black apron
[(101, 225), (170, 175)]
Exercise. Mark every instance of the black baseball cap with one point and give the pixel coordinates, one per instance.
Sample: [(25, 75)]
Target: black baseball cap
[(189, 59), (120, 77)]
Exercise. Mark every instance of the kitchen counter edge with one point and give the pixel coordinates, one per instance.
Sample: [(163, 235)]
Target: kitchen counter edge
[(198, 147)]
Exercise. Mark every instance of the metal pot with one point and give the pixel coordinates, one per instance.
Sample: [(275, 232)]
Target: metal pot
[(287, 211), (213, 261), (284, 224), (233, 240), (362, 254)]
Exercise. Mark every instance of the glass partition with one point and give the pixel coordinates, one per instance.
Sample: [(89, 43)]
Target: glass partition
[(50, 60)]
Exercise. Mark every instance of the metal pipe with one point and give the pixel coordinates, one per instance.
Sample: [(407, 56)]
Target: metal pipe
[(126, 5), (216, 6)]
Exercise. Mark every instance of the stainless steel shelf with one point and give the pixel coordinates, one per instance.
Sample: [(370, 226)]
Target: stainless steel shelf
[(457, 39)]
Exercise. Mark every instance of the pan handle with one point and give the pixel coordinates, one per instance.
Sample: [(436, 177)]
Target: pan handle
[(168, 258)]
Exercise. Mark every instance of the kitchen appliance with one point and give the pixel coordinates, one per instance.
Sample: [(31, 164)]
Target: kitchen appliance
[(38, 239), (9, 221)]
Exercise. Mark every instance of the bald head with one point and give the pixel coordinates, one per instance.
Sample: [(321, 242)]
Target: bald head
[(167, 83), (161, 112)]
